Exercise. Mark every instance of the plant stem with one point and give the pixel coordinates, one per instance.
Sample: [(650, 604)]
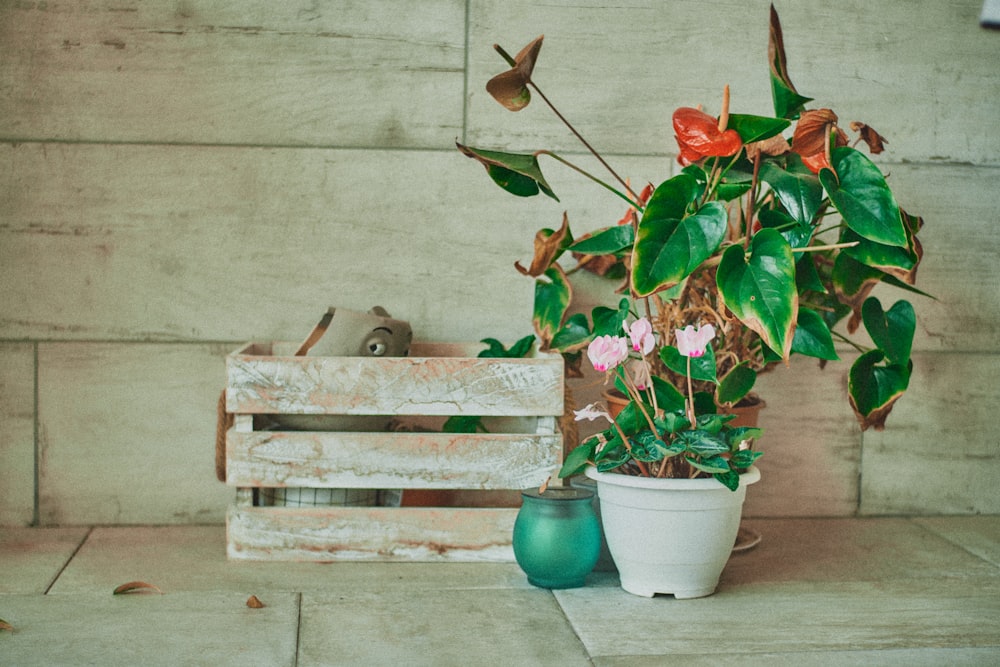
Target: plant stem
[(831, 246), (690, 394), (586, 173), (751, 201), (581, 139)]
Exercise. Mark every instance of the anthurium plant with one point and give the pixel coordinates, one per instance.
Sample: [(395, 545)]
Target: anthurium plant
[(772, 236)]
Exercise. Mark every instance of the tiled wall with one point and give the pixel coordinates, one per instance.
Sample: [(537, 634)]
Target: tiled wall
[(179, 177)]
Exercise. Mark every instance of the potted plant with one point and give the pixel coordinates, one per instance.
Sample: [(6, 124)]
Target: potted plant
[(773, 234)]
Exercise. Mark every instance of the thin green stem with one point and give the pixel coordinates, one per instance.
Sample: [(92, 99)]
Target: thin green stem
[(844, 339), (579, 136), (586, 173)]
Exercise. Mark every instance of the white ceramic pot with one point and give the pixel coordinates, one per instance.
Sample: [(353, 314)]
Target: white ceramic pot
[(670, 536)]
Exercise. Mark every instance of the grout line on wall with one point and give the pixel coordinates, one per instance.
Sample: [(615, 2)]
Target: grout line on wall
[(36, 444), (465, 74)]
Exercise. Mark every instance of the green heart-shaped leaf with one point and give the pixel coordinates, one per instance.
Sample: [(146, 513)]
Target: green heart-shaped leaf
[(672, 197), (608, 322), (860, 193), (873, 389), (756, 128), (667, 250), (574, 335), (736, 384), (760, 289), (798, 190), (517, 173), (812, 336), (892, 331), (552, 298), (606, 242)]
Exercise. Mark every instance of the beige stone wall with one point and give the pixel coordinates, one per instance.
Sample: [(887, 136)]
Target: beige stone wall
[(179, 177)]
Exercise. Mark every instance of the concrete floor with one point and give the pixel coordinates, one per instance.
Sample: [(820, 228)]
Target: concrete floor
[(890, 591)]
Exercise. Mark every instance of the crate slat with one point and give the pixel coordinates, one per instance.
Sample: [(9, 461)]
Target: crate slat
[(377, 533), (441, 386), (390, 460)]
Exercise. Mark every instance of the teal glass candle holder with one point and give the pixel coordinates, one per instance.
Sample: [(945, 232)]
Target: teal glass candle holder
[(557, 536)]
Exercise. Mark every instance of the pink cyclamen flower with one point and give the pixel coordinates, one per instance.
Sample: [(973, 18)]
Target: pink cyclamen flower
[(592, 412), (640, 374), (641, 335), (606, 352), (692, 342)]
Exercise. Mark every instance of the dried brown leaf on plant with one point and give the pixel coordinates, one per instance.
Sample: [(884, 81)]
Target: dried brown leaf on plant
[(254, 602), (137, 587), (876, 142), (510, 88), (547, 246), (811, 131), (776, 145)]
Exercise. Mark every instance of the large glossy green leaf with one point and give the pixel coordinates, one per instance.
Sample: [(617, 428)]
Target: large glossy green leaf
[(897, 261), (859, 191), (552, 297), (606, 241), (672, 197), (759, 289), (892, 330), (873, 389), (667, 250), (798, 190), (812, 336), (517, 173), (756, 128)]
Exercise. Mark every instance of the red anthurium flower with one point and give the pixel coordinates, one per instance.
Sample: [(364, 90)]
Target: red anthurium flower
[(698, 136)]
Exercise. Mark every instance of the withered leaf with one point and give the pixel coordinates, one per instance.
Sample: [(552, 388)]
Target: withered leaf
[(811, 131), (4, 625), (510, 88), (776, 145), (137, 587), (547, 246), (254, 602), (876, 142)]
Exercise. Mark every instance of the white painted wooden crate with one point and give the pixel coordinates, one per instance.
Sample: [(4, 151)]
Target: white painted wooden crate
[(437, 380)]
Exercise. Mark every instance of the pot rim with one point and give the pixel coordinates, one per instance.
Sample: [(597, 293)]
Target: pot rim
[(558, 494), (751, 476)]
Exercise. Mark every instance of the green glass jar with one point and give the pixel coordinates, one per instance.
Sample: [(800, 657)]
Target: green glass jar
[(557, 536)]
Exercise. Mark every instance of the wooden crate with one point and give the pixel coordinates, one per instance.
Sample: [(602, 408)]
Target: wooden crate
[(436, 381)]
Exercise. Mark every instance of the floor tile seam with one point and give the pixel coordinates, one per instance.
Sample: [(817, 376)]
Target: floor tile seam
[(69, 559), (917, 522), (573, 627)]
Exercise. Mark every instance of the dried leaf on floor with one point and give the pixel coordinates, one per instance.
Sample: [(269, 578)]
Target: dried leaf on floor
[(137, 586), (254, 602), (4, 625)]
